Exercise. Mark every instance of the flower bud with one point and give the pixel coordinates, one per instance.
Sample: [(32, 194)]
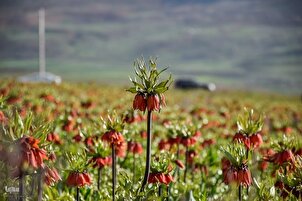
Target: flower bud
[(139, 102)]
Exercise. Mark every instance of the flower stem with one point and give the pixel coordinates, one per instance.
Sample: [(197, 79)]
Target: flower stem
[(177, 157), (99, 178), (113, 171), (148, 153), (159, 190), (40, 184), (21, 187), (239, 192), (187, 158), (78, 193), (133, 167)]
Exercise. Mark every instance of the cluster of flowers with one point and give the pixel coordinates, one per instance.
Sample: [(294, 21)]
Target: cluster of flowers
[(78, 179), (240, 175), (150, 102), (253, 141)]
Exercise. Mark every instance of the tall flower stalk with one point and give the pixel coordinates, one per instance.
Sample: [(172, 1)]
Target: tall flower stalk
[(149, 96), (114, 137), (235, 164)]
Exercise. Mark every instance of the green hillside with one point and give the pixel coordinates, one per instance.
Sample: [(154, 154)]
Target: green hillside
[(241, 44)]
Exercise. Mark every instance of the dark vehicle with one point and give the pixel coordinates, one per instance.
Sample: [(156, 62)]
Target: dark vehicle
[(192, 84)]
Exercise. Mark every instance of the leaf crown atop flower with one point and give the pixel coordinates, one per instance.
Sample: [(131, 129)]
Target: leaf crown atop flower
[(148, 76)]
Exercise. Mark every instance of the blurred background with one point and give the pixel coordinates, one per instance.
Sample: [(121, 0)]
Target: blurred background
[(241, 44)]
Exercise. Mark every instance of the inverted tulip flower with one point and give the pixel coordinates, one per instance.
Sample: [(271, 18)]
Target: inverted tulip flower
[(149, 96), (234, 167), (160, 170), (78, 176), (249, 128), (113, 136), (100, 159)]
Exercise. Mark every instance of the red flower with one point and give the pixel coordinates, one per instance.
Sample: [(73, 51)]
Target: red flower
[(244, 176), (48, 97), (187, 141), (101, 162), (162, 100), (121, 149), (163, 145), (139, 102), (3, 119), (283, 157), (113, 137), (256, 140), (51, 176), (30, 153), (225, 164), (230, 175), (52, 157), (179, 164), (263, 165), (77, 138), (143, 134), (55, 138), (89, 142), (208, 142), (87, 104), (242, 139), (160, 178), (153, 103), (78, 179), (69, 126), (173, 141), (135, 147)]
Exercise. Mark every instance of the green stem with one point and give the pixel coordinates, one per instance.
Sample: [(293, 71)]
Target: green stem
[(159, 190), (134, 168), (40, 184), (148, 153), (187, 158), (99, 178), (239, 192), (78, 193), (113, 171), (21, 187)]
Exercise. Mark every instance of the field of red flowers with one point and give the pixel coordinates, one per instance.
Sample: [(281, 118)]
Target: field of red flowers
[(90, 142)]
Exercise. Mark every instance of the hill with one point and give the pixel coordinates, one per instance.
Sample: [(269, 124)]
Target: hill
[(241, 44)]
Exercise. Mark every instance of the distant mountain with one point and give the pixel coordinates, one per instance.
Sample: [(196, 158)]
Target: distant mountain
[(246, 44)]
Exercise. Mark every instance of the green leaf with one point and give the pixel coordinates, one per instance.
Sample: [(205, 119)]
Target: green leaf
[(132, 89)]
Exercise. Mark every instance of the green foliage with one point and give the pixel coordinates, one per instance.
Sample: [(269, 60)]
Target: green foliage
[(161, 163), (114, 122), (236, 153), (248, 123), (148, 78)]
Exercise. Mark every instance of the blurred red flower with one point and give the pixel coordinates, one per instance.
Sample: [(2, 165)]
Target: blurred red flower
[(242, 139), (55, 138), (160, 178), (139, 102), (51, 176), (135, 147), (256, 140), (153, 103), (100, 162), (179, 164), (244, 176), (78, 179)]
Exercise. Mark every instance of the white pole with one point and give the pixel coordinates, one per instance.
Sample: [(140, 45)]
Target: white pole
[(42, 64)]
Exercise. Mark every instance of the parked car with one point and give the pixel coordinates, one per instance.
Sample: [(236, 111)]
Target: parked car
[(193, 84)]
